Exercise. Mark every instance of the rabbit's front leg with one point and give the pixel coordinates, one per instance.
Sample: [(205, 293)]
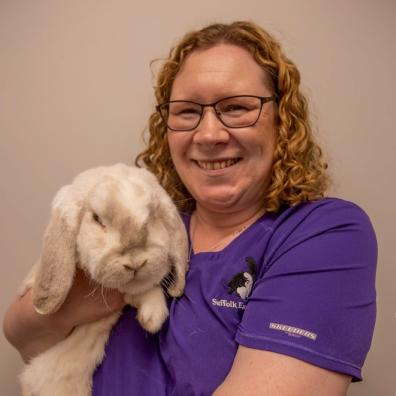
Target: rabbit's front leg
[(152, 310)]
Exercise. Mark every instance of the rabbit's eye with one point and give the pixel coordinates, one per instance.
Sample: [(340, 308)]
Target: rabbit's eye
[(97, 219)]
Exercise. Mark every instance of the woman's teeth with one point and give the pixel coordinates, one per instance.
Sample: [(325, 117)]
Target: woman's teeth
[(214, 165)]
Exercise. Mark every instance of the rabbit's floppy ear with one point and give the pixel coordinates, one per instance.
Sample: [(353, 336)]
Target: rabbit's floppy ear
[(55, 273), (178, 254), (162, 207)]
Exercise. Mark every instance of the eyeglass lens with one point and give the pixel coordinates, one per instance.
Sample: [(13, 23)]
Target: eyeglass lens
[(234, 112)]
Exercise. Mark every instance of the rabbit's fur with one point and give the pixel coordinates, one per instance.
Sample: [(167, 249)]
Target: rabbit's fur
[(118, 225)]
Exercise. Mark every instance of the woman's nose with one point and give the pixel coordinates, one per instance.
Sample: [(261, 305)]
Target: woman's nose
[(210, 130)]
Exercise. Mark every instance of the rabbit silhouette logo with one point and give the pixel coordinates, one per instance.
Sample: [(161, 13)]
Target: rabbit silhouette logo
[(242, 283)]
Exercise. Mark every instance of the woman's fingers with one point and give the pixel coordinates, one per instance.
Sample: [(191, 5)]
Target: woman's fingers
[(87, 301)]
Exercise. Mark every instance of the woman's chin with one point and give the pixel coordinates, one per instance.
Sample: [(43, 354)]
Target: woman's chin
[(221, 201), (229, 199)]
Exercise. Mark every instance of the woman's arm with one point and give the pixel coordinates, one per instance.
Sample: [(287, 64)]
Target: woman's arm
[(258, 372), (311, 313), (31, 333)]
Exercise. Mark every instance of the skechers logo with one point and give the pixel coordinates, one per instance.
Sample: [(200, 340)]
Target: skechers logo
[(293, 331)]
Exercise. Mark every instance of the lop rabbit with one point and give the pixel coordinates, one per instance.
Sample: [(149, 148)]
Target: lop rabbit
[(118, 225)]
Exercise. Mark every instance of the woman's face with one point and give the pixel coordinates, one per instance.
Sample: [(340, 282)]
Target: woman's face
[(224, 169)]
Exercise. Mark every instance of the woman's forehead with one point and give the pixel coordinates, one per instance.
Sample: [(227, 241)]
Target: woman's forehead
[(224, 70)]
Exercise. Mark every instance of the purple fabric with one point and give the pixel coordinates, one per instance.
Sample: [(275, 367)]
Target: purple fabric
[(313, 298)]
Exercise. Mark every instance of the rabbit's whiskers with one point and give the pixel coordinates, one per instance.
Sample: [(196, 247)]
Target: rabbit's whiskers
[(183, 200), (167, 281), (103, 294), (93, 291)]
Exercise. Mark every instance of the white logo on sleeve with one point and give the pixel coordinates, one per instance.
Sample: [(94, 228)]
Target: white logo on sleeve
[(293, 331)]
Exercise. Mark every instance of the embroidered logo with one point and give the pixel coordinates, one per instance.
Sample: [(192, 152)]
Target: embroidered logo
[(242, 283), (293, 331)]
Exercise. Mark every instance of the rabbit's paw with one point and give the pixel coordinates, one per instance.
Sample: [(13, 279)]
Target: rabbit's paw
[(152, 316)]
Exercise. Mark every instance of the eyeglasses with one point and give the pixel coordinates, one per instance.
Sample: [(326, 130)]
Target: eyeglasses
[(239, 111)]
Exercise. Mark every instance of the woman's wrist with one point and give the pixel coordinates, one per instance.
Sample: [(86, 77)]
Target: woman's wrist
[(29, 332), (55, 323)]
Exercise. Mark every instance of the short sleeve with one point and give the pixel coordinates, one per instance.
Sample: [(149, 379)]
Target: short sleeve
[(314, 296)]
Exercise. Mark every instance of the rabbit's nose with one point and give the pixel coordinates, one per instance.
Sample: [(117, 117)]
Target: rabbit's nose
[(128, 267)]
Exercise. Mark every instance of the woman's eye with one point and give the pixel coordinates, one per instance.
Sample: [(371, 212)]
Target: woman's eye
[(234, 108), (97, 219), (184, 110), (188, 111)]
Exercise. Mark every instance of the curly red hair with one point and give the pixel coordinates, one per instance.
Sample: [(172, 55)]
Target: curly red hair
[(298, 171)]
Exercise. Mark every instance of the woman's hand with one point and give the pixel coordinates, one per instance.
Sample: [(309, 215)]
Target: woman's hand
[(86, 302), (32, 333)]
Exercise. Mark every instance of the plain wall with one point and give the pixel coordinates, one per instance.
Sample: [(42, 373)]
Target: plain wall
[(75, 92)]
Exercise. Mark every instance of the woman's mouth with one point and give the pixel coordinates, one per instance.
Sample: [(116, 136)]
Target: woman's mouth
[(215, 165)]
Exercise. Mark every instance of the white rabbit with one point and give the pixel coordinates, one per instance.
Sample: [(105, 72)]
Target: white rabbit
[(118, 225)]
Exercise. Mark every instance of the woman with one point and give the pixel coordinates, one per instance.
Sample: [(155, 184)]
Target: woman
[(280, 296)]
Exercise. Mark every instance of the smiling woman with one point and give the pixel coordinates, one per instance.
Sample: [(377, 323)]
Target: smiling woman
[(280, 294), (200, 157), (231, 142), (298, 172)]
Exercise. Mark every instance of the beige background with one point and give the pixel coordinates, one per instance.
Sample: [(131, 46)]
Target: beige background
[(75, 92)]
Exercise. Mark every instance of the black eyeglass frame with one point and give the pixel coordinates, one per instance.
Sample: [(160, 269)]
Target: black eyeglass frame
[(263, 99)]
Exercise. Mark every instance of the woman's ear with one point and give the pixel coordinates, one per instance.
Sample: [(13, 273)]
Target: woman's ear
[(55, 273)]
